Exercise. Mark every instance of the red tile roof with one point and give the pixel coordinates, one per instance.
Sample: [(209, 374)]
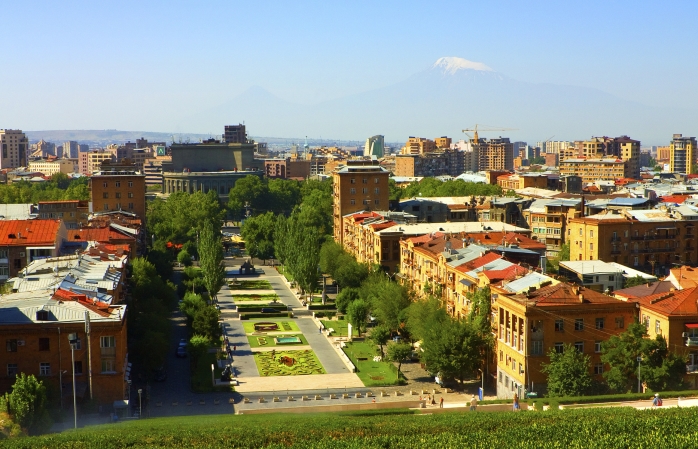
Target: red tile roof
[(103, 235), (29, 232), (477, 263), (99, 307), (508, 273), (566, 294), (674, 303), (678, 199)]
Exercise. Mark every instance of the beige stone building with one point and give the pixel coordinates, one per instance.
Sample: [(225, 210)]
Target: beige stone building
[(50, 168), (14, 146), (591, 170), (418, 145), (682, 154), (494, 154)]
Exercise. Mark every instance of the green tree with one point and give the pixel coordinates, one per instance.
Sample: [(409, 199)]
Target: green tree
[(211, 260), (480, 312), (380, 335), (284, 195), (250, 193), (568, 372), (357, 313), (387, 299), (281, 239), (181, 217), (184, 258), (198, 347), (345, 298), (206, 323), (395, 191), (660, 368), (27, 404), (398, 352), (634, 281), (258, 234), (191, 304), (330, 255)]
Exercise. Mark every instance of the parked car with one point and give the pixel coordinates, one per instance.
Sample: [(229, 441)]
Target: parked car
[(181, 351), (183, 342)]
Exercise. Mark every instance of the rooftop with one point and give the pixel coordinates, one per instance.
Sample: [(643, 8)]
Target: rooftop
[(29, 232)]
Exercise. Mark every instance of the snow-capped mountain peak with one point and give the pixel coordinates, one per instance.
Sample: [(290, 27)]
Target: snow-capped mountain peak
[(451, 64)]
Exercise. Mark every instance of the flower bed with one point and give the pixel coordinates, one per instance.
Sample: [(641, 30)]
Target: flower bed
[(288, 363)]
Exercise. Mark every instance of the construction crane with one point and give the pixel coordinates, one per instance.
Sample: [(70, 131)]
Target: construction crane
[(476, 129)]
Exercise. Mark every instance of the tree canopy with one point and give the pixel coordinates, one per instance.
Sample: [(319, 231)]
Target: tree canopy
[(569, 372), (433, 187), (211, 259), (258, 233), (182, 215), (60, 187), (27, 404)]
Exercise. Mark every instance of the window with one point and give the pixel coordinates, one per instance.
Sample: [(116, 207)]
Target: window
[(657, 327), (579, 324), (500, 377), (130, 183), (365, 180), (117, 195), (375, 180), (620, 322), (78, 367), (130, 194), (364, 190), (44, 369), (107, 342), (559, 347), (44, 344), (597, 347), (559, 326), (615, 235), (598, 368), (646, 321), (352, 191), (104, 184), (3, 254), (626, 233), (591, 233), (579, 346), (105, 195), (12, 345), (108, 366), (367, 202), (130, 205), (501, 356), (118, 183), (591, 247), (600, 323), (376, 190), (11, 369), (352, 202), (636, 261), (353, 181), (611, 278), (117, 206), (106, 206), (537, 348), (376, 202), (580, 232)]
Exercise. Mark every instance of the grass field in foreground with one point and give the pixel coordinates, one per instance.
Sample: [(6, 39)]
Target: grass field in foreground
[(592, 428)]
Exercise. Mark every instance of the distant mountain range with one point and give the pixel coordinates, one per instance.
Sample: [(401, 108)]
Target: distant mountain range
[(451, 95), (442, 100)]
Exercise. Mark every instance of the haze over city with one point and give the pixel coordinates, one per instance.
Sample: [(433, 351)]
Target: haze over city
[(347, 71)]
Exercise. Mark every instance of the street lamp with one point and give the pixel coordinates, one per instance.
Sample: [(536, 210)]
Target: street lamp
[(140, 403), (73, 340), (639, 384)]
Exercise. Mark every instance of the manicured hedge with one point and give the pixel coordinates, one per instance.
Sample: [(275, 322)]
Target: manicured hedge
[(247, 316), (258, 307), (323, 307), (605, 428)]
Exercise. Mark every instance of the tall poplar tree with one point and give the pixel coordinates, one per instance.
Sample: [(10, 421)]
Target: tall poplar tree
[(211, 259)]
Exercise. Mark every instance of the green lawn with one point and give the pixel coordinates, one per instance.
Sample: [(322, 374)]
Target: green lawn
[(371, 373), (265, 297), (285, 273), (304, 362), (250, 285), (268, 341), (290, 325), (339, 326), (201, 381)]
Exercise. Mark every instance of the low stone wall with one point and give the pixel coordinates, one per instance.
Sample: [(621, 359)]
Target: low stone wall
[(334, 408)]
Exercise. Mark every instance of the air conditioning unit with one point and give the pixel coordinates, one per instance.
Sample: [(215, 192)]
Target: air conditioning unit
[(22, 254), (20, 342), (684, 334)]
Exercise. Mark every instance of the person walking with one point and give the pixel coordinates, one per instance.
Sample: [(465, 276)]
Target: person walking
[(473, 404), (441, 402), (516, 402)]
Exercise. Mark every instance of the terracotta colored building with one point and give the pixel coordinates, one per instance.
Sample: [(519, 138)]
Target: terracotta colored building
[(118, 190), (22, 241)]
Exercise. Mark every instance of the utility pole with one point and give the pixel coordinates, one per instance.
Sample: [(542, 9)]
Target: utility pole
[(89, 350)]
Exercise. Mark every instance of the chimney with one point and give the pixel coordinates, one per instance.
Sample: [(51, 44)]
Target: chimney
[(581, 297)]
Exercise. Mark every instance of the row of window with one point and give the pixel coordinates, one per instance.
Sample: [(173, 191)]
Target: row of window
[(365, 202), (108, 367), (117, 206), (117, 184), (353, 191), (599, 323), (45, 343), (105, 195), (364, 180)]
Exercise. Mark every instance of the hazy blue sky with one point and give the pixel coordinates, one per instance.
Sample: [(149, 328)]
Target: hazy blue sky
[(143, 65)]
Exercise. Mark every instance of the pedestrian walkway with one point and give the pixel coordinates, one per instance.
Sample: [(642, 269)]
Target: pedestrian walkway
[(270, 384)]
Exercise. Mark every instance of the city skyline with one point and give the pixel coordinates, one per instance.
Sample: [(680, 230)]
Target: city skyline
[(153, 66)]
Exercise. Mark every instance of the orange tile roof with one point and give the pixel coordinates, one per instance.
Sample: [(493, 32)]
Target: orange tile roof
[(96, 234), (672, 303), (678, 199), (99, 307), (508, 273), (477, 263), (379, 226), (566, 294), (28, 232)]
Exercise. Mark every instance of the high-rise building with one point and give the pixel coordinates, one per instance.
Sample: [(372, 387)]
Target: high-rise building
[(70, 150), (358, 186), (418, 145), (14, 148), (375, 146), (443, 142), (682, 154), (235, 134), (495, 154)]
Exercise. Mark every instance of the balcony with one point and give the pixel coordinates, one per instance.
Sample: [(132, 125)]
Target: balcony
[(536, 335), (691, 341), (615, 251), (691, 368), (108, 351), (615, 239)]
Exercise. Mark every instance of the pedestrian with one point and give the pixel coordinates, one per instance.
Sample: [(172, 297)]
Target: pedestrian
[(234, 348), (433, 400), (473, 403), (657, 402), (516, 402), (441, 402), (320, 329), (429, 399)]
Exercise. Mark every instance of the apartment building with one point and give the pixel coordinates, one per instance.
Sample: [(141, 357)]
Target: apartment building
[(649, 240), (522, 181), (592, 170), (418, 145), (74, 213), (91, 161), (51, 167), (115, 190), (674, 315), (549, 221), (495, 154), (15, 145), (358, 188), (599, 275), (22, 241), (36, 325), (375, 146), (529, 324), (682, 154)]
